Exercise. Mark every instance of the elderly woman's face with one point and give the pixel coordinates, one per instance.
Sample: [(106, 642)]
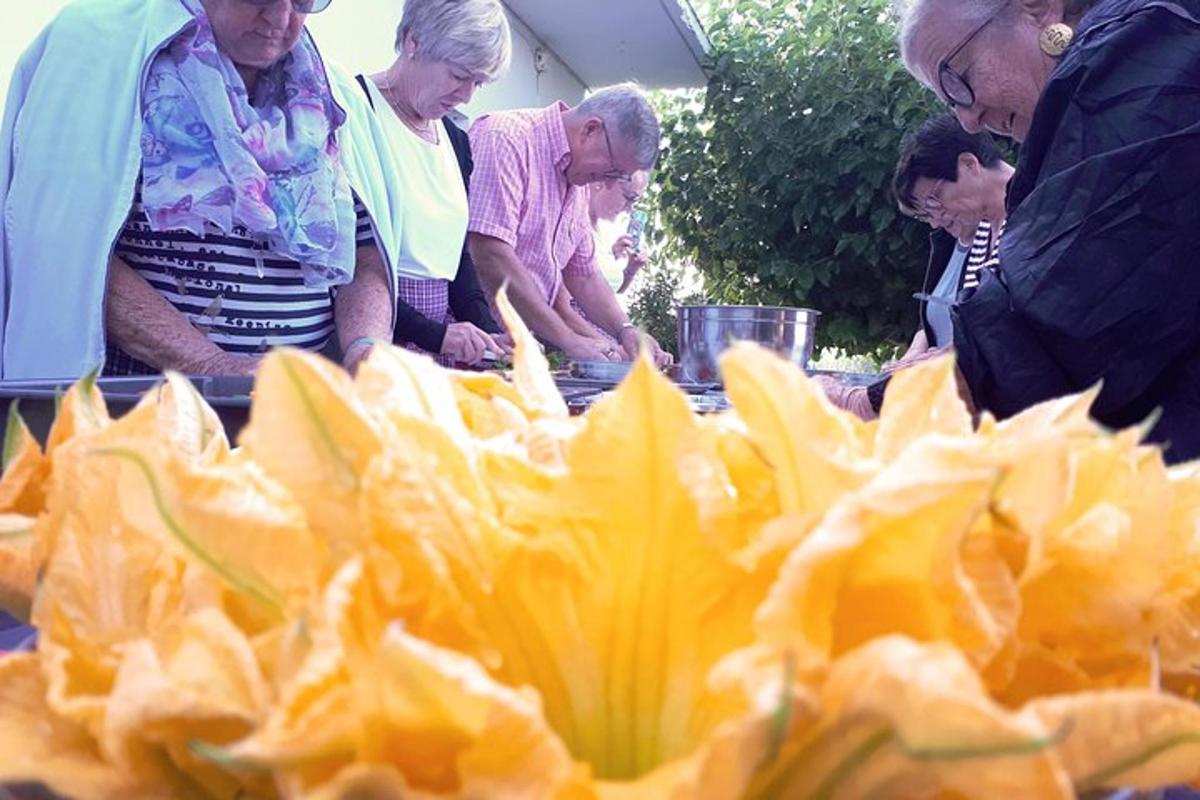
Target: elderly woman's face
[(960, 205), (436, 87), (613, 198), (1001, 63), (255, 34), (443, 87)]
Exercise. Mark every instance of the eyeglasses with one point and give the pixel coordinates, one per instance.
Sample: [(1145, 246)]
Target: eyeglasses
[(930, 206), (628, 195), (955, 89), (303, 6), (613, 174)]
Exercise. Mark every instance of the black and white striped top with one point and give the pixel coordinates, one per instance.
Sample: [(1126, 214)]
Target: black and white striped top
[(230, 287), (985, 253)]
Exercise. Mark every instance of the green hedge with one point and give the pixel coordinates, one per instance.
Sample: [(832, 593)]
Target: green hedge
[(775, 181)]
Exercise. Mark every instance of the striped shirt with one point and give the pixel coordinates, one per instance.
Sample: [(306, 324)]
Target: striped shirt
[(520, 195), (229, 286), (985, 253)]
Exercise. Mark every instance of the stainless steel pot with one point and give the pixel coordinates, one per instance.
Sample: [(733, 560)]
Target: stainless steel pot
[(705, 331)]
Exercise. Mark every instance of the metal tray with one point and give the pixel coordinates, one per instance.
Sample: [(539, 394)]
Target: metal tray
[(851, 378), (612, 371), (569, 382), (229, 395)]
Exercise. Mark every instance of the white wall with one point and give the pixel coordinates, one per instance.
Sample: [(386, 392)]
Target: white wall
[(20, 22), (524, 87), (357, 33)]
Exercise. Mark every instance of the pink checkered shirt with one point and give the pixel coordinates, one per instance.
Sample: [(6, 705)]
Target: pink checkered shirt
[(520, 194)]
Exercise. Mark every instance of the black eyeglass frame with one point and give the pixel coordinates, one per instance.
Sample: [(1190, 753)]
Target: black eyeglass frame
[(613, 174), (313, 6), (966, 98)]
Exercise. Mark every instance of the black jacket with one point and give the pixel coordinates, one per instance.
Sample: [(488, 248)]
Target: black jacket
[(1100, 262), (468, 302)]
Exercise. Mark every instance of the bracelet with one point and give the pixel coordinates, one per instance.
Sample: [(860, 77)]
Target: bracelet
[(367, 340)]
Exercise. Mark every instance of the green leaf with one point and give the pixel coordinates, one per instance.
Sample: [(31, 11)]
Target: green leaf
[(785, 155), (14, 430)]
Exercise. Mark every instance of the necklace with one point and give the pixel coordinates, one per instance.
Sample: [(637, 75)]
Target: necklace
[(427, 132)]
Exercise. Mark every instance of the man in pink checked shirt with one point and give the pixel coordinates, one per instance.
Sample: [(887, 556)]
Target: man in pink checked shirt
[(529, 221)]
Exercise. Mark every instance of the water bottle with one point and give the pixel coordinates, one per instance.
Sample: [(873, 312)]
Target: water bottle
[(637, 225)]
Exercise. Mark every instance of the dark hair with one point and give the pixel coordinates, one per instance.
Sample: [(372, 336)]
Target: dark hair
[(932, 152)]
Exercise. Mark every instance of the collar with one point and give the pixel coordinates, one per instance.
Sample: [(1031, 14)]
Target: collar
[(556, 132)]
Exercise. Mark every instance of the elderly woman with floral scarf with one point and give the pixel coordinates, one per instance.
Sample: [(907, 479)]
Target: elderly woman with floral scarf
[(174, 196)]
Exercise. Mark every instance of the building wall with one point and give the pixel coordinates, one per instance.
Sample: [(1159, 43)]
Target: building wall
[(357, 33), (524, 86)]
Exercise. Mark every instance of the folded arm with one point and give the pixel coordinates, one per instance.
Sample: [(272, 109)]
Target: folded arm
[(144, 324)]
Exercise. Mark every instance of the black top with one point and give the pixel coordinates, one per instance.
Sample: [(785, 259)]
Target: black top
[(468, 302), (1099, 271)]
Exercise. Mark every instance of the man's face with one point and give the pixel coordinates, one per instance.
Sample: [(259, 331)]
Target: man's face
[(600, 155)]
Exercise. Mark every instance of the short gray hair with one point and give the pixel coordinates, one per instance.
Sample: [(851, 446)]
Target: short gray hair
[(915, 15), (627, 112), (471, 34)]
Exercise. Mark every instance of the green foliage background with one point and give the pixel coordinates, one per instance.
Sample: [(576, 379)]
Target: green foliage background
[(775, 181)]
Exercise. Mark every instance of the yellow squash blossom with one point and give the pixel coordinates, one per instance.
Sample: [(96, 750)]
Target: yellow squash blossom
[(418, 583)]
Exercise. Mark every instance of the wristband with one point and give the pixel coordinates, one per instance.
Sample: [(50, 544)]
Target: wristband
[(367, 340)]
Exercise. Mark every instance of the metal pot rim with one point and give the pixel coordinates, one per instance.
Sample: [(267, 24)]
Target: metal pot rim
[(748, 308)]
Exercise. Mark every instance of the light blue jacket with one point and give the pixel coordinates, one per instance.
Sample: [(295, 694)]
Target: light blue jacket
[(69, 158)]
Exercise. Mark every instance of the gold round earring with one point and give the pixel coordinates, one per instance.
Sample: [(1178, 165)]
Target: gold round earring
[(1055, 39)]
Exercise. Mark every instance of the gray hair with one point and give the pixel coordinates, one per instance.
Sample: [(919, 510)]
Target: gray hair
[(627, 112), (915, 16), (471, 34)]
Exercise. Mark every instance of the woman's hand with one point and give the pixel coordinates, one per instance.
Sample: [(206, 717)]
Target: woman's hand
[(919, 345), (506, 343), (224, 363), (631, 343), (846, 397), (632, 268), (466, 344), (623, 247), (916, 356)]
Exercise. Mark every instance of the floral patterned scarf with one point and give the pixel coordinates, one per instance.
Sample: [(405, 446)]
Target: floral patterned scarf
[(210, 155)]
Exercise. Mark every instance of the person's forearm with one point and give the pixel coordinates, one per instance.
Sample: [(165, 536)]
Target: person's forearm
[(574, 320), (496, 262), (598, 302), (413, 327), (363, 308), (144, 324)]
